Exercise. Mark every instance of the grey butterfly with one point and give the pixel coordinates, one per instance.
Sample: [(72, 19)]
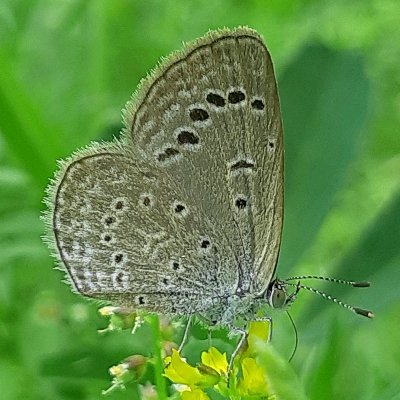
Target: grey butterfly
[(183, 214)]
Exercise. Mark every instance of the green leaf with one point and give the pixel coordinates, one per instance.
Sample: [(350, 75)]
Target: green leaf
[(324, 99), (376, 256), (282, 380)]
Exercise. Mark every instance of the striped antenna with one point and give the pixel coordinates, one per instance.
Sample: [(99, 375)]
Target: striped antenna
[(334, 280), (359, 311)]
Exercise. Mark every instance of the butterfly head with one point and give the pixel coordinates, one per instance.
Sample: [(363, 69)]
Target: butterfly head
[(277, 295)]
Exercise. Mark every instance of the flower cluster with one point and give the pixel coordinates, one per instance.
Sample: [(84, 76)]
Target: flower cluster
[(247, 380)]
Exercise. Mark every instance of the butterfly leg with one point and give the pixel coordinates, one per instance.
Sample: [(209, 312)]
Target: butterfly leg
[(242, 339), (209, 338), (185, 334), (291, 298)]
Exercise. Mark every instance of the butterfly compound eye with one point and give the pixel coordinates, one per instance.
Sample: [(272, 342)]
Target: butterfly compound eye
[(277, 295)]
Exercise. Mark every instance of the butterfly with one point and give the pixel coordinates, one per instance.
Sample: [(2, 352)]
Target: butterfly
[(183, 214)]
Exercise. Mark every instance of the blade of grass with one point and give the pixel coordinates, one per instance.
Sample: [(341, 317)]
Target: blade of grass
[(157, 357), (31, 141)]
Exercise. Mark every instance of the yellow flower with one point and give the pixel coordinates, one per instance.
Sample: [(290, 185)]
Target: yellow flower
[(179, 371), (254, 380), (215, 360), (248, 378)]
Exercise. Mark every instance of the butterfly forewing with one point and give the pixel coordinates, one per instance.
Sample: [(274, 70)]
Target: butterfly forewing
[(210, 119)]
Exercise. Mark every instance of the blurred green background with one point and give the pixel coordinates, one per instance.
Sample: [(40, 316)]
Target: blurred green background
[(66, 70)]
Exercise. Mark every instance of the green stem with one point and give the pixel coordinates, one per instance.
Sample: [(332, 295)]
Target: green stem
[(157, 358)]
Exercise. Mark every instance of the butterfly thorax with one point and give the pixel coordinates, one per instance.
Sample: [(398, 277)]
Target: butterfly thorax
[(234, 310)]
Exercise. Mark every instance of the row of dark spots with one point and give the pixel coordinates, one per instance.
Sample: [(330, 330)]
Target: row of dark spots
[(185, 137), (146, 201), (234, 97), (110, 220)]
